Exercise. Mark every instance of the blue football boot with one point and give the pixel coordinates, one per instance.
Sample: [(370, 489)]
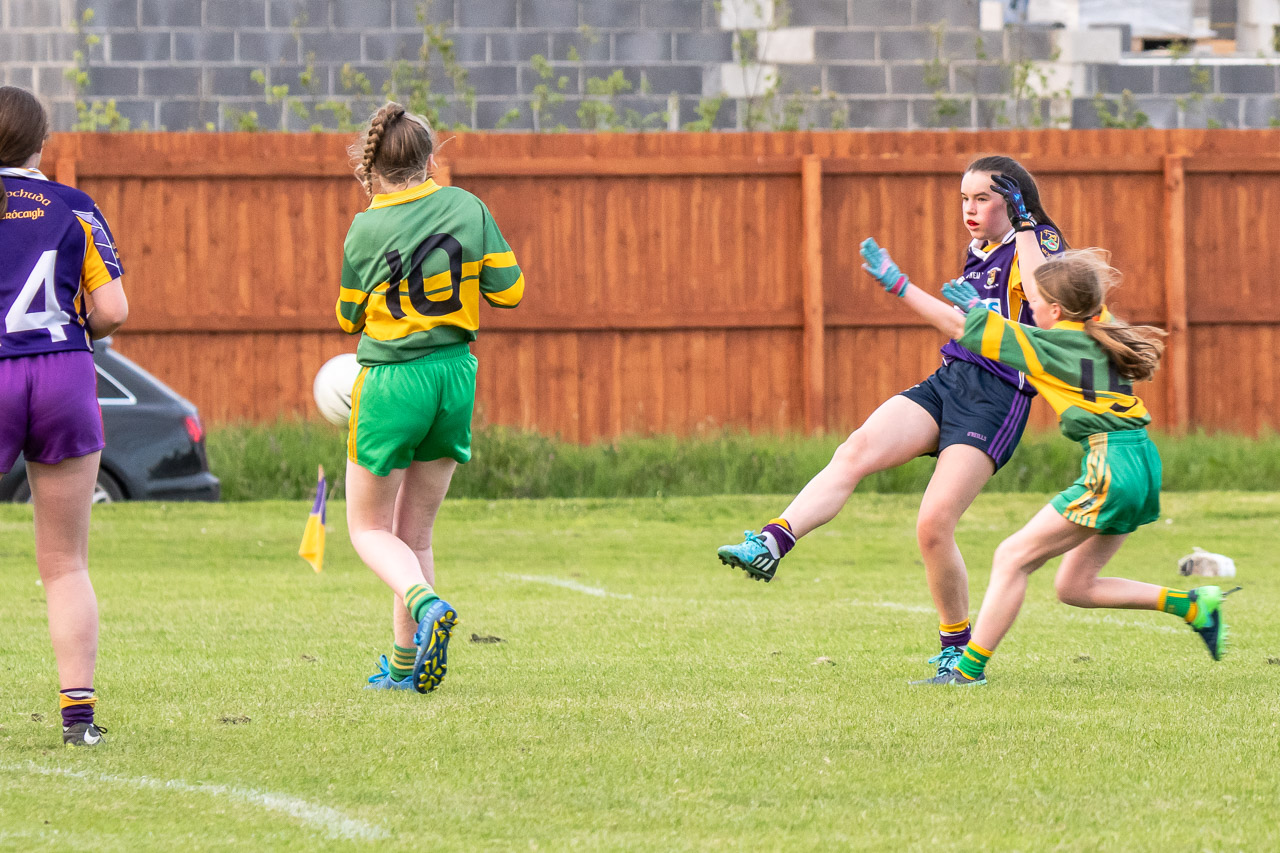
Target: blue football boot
[(432, 640), (953, 677), (382, 680), (948, 658), (752, 556)]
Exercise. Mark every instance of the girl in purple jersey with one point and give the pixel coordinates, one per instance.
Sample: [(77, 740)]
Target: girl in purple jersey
[(57, 250), (970, 413)]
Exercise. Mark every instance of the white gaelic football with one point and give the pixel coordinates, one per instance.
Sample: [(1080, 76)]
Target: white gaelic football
[(332, 388)]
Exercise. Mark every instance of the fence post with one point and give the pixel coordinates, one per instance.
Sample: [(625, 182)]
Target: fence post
[(814, 321), (1175, 293)]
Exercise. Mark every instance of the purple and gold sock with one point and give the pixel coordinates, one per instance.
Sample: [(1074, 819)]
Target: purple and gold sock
[(778, 537), (974, 661), (954, 635), (418, 598), (76, 705), (402, 661)]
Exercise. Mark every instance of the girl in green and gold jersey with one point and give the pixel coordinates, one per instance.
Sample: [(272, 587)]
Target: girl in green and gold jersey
[(414, 267), (1082, 360)]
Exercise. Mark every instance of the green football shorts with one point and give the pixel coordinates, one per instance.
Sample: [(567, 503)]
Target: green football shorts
[(1119, 486), (415, 411)]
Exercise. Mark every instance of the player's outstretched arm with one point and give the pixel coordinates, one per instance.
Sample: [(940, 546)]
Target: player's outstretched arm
[(939, 314)]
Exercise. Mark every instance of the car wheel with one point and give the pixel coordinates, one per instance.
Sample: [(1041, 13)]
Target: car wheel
[(106, 490)]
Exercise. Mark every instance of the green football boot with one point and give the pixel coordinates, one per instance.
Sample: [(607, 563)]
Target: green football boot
[(953, 678), (1209, 622), (948, 658)]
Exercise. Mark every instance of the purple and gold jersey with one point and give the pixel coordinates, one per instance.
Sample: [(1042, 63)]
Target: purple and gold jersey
[(993, 271), (55, 246)]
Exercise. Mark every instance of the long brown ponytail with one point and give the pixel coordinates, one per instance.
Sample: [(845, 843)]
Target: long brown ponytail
[(1078, 281), (23, 130), (397, 144)]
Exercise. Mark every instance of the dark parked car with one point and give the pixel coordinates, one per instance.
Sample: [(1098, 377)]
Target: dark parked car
[(155, 442)]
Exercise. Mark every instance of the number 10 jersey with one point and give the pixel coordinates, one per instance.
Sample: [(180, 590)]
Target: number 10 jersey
[(414, 267), (54, 247)]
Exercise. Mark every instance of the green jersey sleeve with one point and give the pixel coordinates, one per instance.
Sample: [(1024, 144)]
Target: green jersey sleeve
[(501, 281)]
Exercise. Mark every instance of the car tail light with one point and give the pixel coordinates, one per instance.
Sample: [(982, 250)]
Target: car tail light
[(194, 429)]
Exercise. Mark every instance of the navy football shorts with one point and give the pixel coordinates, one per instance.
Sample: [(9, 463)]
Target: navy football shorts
[(975, 407)]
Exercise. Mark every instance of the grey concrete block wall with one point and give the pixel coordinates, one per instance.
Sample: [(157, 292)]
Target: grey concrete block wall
[(184, 64)]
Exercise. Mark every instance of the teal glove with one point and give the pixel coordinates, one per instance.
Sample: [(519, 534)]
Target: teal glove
[(882, 268), (961, 294)]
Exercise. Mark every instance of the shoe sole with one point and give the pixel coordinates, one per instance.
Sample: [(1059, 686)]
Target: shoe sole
[(752, 572), (431, 664)]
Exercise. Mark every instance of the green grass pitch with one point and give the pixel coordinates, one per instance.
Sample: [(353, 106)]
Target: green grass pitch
[(643, 696)]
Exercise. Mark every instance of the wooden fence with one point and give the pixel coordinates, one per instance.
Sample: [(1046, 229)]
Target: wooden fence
[(678, 282)]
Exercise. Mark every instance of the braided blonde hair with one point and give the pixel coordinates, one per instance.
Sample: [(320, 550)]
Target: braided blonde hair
[(399, 150)]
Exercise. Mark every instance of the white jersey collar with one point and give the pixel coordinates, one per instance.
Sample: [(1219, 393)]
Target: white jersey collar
[(16, 172), (975, 246)]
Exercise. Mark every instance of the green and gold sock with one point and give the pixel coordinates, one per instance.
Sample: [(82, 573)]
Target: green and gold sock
[(418, 598), (974, 661), (1179, 603), (402, 661)]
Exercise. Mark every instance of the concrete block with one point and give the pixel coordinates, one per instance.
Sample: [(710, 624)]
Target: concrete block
[(1180, 79), (204, 46), (1261, 112), (266, 47), (877, 114), (998, 113), (684, 79), (332, 46), (388, 47), (644, 46), (548, 15), (673, 14), (486, 14), (313, 14), (474, 46), (786, 45), (880, 13), (932, 114), (169, 13), (108, 14), (231, 81), (843, 45), (613, 14), (376, 75), (24, 47), (633, 74), (111, 81), (187, 115), (1096, 45), (952, 13), (53, 82), (737, 81), (140, 113), (171, 81), (236, 13), (1212, 112), (230, 112), (493, 80), (490, 112), (62, 46), (857, 79), (1020, 43), (1247, 79), (982, 79), (909, 79), (818, 13), (898, 45), (139, 46), (799, 79), (24, 77), (438, 12), (969, 44), (1113, 79), (590, 46), (515, 47), (36, 14), (364, 15), (745, 14), (706, 46), (1161, 112)]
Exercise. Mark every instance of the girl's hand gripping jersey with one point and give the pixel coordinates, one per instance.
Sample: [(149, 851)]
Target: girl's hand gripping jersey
[(1066, 366), (994, 272), (55, 246), (415, 265)]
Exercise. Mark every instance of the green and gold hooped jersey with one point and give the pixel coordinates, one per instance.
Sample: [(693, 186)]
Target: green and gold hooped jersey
[(414, 267), (1065, 365)]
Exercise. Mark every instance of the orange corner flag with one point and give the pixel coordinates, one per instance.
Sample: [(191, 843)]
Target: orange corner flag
[(312, 547)]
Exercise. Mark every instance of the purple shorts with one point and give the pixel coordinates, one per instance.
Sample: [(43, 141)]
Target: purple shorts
[(49, 408)]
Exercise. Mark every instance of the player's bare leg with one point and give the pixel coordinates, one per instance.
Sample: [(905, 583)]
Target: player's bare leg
[(62, 494), (417, 504)]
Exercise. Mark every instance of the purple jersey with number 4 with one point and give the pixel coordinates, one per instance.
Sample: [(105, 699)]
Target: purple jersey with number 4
[(55, 246), (993, 271)]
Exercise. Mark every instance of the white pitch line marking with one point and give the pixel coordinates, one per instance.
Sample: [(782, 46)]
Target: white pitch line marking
[(332, 822), (573, 585)]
